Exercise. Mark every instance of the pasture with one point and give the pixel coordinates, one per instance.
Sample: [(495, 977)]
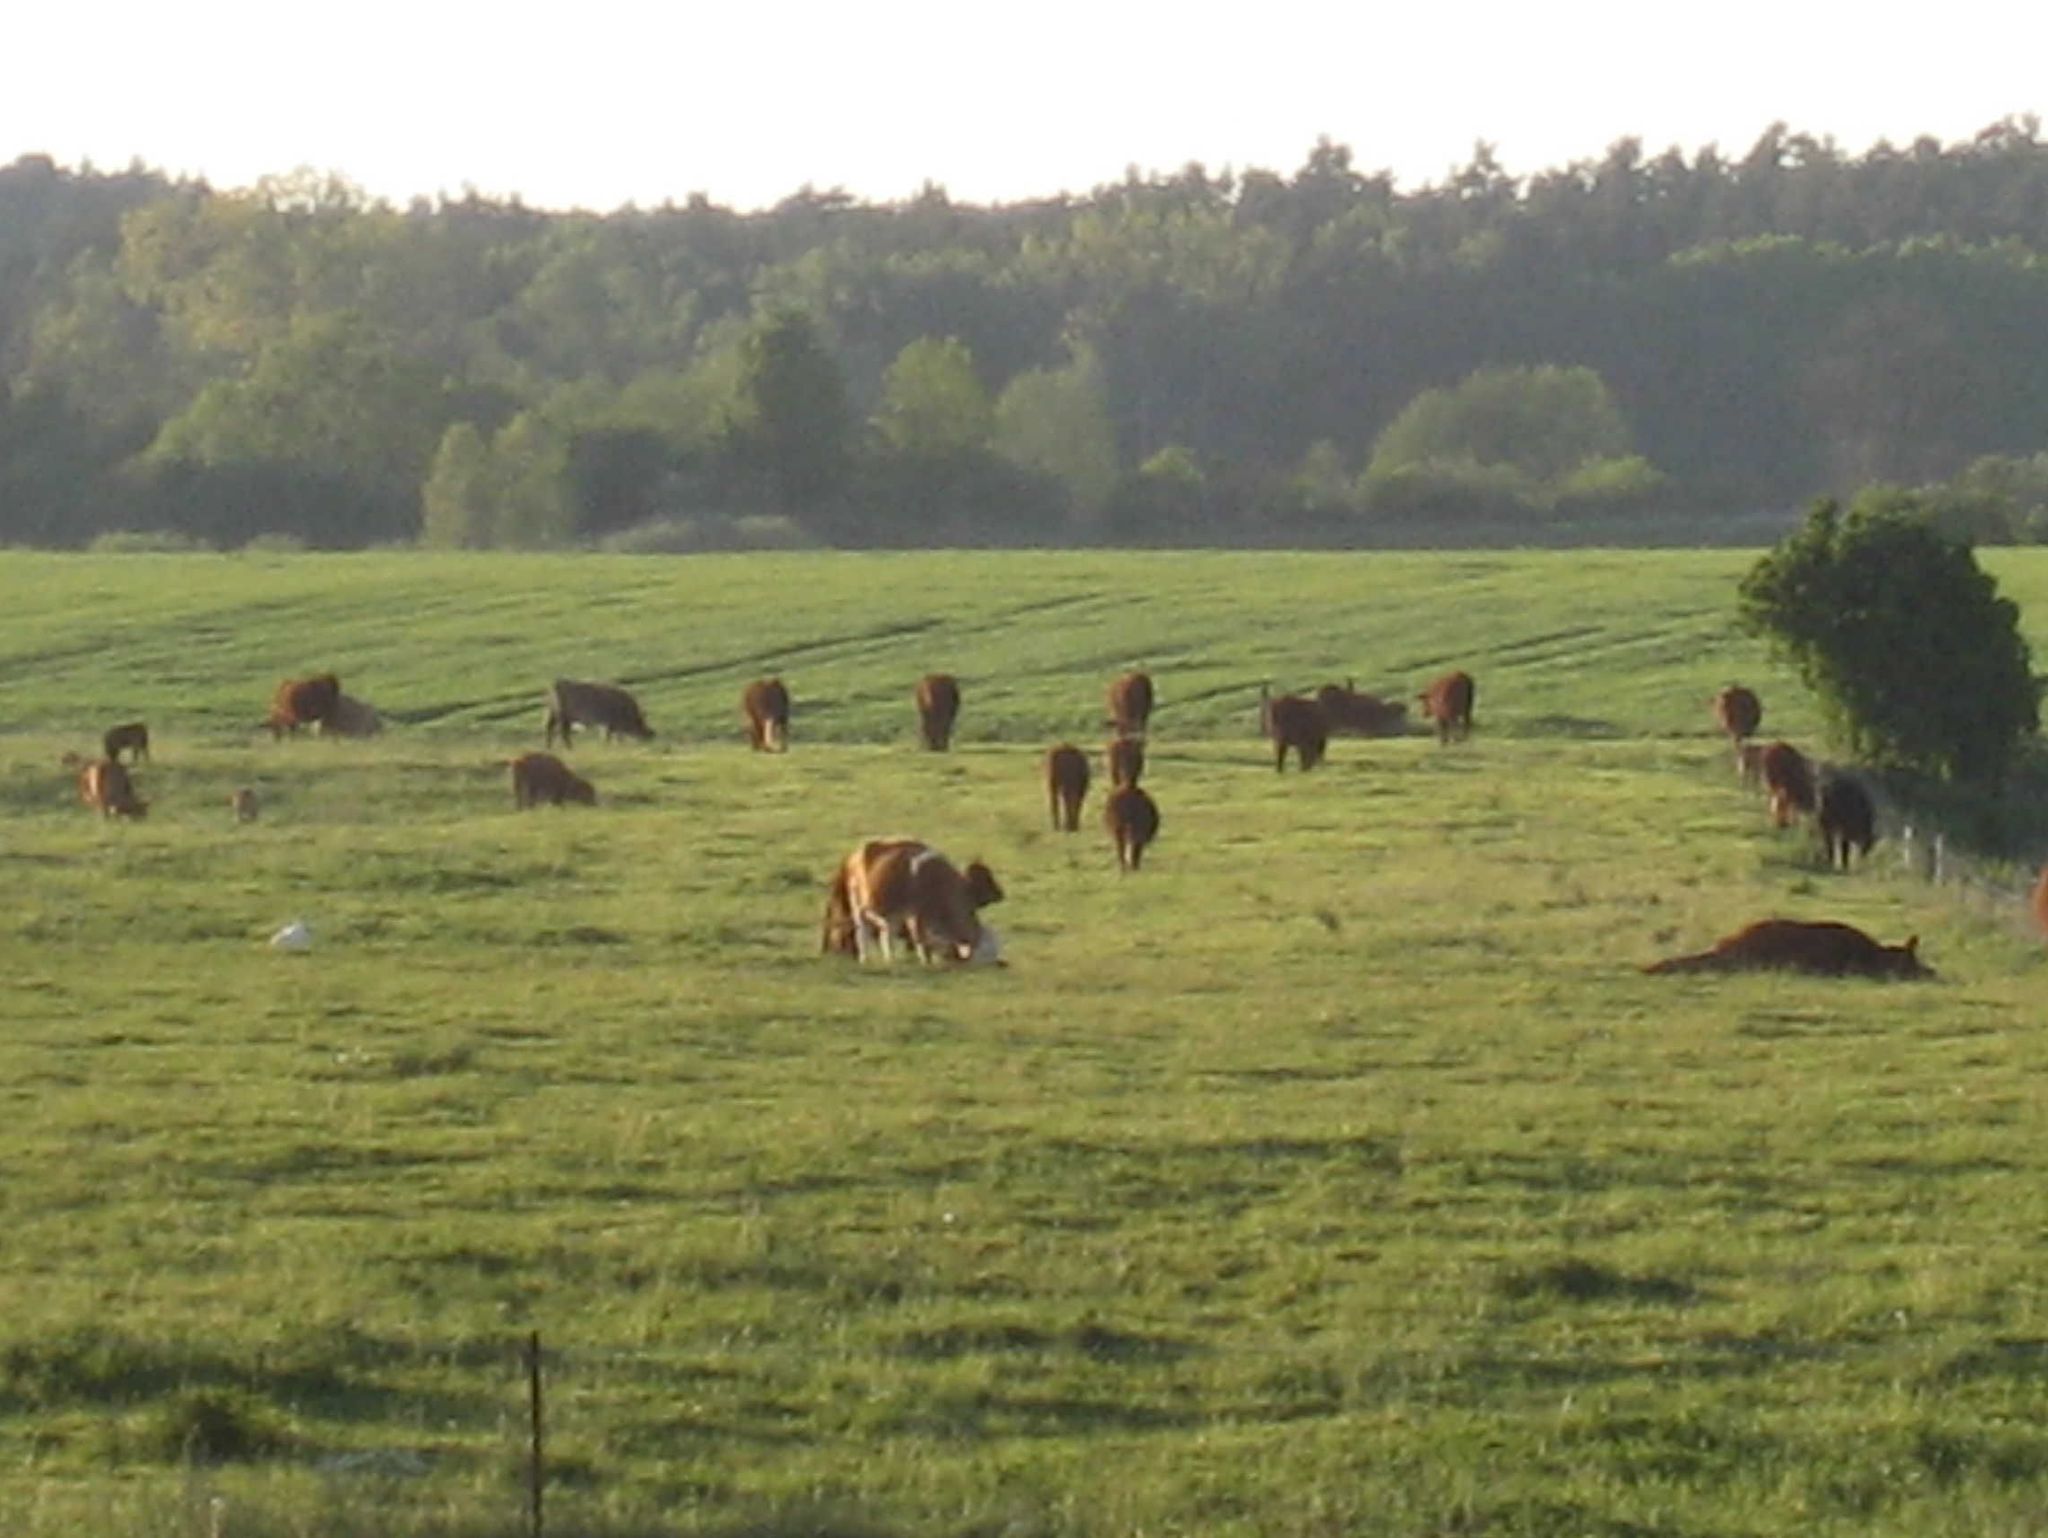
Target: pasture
[(1337, 1173)]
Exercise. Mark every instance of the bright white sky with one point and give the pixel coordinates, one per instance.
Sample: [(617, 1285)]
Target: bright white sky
[(601, 103)]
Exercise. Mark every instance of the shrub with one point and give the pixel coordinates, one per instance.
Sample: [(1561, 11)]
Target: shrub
[(1917, 662)]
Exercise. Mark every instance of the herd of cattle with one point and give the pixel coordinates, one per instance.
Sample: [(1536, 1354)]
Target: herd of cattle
[(886, 889)]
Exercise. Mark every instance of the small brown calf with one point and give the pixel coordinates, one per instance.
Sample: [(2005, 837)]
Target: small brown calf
[(1066, 785), (132, 738), (541, 779)]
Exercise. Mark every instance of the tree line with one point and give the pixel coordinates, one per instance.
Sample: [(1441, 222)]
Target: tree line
[(1639, 347)]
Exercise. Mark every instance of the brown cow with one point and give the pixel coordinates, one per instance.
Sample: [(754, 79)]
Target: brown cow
[(1365, 715), (1125, 757), (1066, 785), (298, 702), (541, 779), (1294, 722), (132, 738), (1130, 704), (352, 717), (572, 703), (1448, 704), (1788, 781), (1824, 948), (886, 887), (1738, 712), (244, 803), (765, 704), (938, 707), (1846, 819), (1132, 818), (103, 785)]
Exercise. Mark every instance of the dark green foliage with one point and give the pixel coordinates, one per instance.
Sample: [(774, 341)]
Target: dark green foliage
[(1767, 327), (1917, 663)]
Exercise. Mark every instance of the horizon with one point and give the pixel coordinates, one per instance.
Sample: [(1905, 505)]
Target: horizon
[(624, 111)]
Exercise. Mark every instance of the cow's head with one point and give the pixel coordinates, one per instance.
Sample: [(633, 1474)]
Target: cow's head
[(982, 888)]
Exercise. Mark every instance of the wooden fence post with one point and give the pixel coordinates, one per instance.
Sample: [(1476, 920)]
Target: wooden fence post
[(533, 1451)]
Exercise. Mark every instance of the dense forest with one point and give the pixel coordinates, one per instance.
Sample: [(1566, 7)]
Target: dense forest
[(1671, 348)]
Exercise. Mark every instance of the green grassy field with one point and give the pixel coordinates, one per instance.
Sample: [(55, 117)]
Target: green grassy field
[(1338, 1173)]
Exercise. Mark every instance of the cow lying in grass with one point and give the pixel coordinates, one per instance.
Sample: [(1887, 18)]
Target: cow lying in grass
[(902, 886), (1823, 948), (541, 779)]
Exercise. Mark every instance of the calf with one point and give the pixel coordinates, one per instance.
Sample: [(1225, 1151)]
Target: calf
[(1125, 757), (1448, 704), (938, 707), (1066, 785), (572, 703), (887, 887), (298, 702), (352, 717), (1297, 723), (1130, 704), (1847, 820), (1788, 781), (765, 704), (1824, 948), (541, 779), (103, 785), (132, 739), (1738, 712), (1367, 715), (1132, 818)]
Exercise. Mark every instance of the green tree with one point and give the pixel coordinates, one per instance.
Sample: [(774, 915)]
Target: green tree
[(933, 404), (1057, 422), (458, 501), (789, 423), (1916, 661), (1542, 423)]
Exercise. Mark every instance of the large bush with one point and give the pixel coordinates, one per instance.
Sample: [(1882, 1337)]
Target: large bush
[(1917, 662)]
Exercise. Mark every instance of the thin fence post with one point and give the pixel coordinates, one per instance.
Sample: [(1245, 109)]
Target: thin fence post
[(533, 1450)]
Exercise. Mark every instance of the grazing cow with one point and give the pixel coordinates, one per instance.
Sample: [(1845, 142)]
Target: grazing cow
[(103, 785), (1739, 712), (1788, 781), (1066, 785), (887, 887), (1125, 757), (938, 707), (1448, 704), (1130, 704), (133, 739), (1826, 949), (244, 803), (298, 702), (1132, 818), (1846, 819), (352, 717), (541, 779), (765, 704), (1365, 715), (572, 704), (1294, 722)]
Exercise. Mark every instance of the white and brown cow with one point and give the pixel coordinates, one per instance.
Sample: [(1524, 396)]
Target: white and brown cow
[(902, 886)]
